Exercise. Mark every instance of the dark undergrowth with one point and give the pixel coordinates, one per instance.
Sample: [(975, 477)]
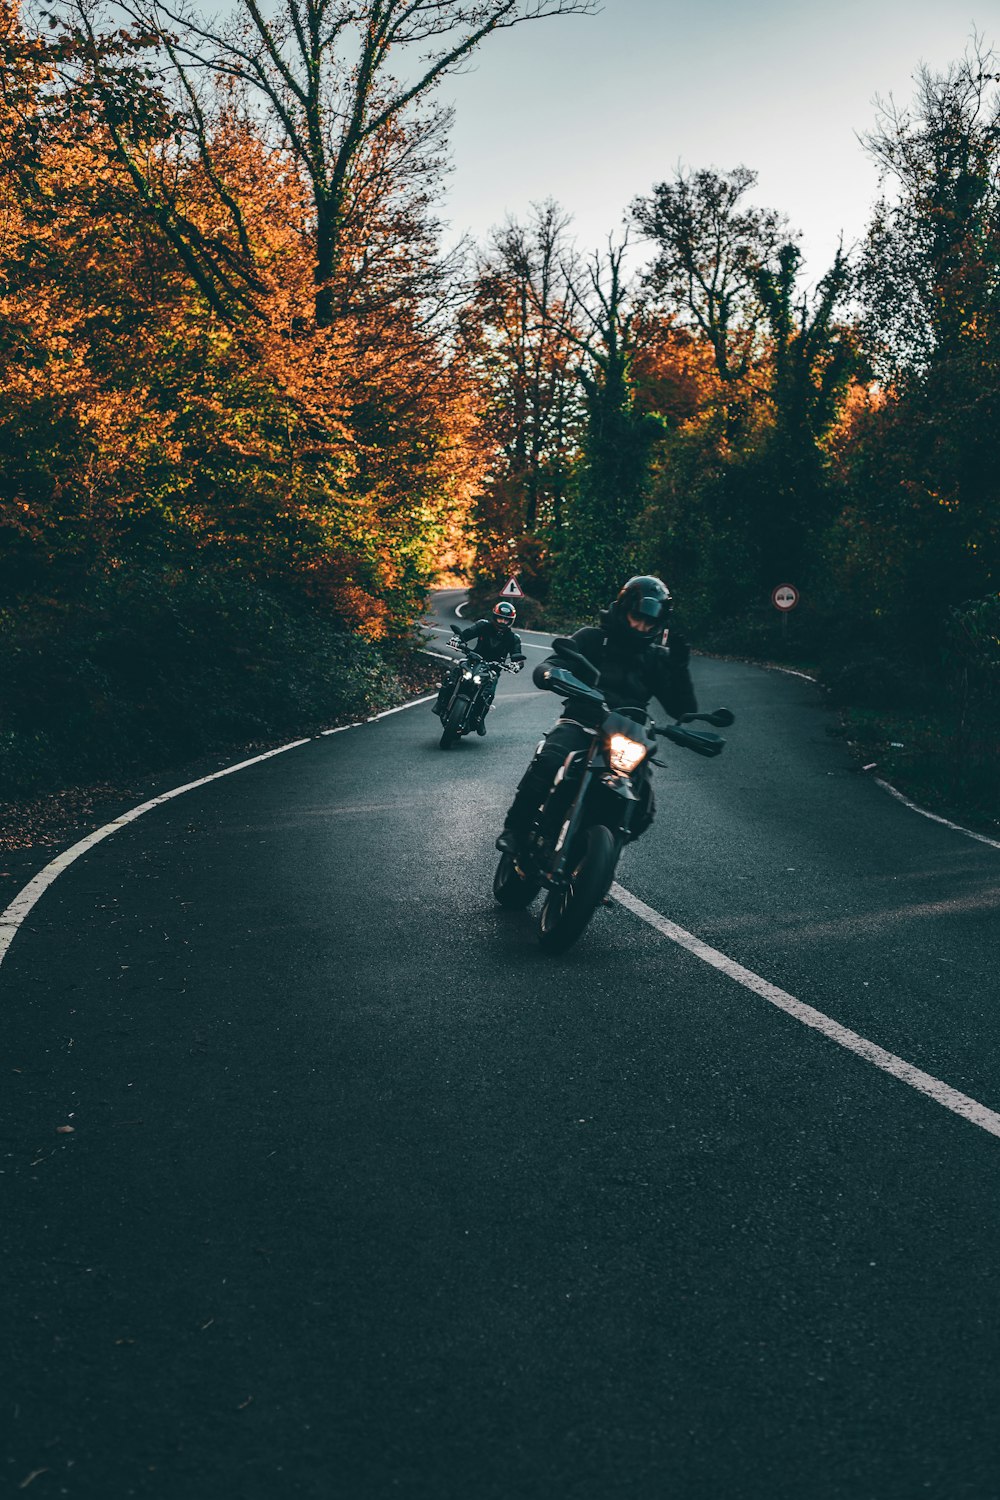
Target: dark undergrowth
[(134, 678)]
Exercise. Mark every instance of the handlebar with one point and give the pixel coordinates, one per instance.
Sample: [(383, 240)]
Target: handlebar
[(474, 658), (701, 741), (566, 683)]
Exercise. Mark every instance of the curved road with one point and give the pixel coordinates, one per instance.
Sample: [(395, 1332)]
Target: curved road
[(364, 1197)]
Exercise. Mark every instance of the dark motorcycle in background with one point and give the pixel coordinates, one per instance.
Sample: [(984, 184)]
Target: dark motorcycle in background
[(583, 824), (471, 696)]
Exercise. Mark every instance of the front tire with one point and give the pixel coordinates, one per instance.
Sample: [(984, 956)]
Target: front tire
[(454, 723), (566, 912), (513, 890)]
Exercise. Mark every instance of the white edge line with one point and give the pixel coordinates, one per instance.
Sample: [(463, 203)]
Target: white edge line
[(360, 723), (933, 1088), (788, 671), (14, 914), (934, 817), (886, 786)]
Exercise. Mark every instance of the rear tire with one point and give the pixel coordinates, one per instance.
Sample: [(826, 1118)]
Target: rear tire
[(513, 890), (566, 912)]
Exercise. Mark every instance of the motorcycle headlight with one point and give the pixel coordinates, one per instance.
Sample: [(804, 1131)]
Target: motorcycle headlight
[(625, 754), (476, 677), (466, 675)]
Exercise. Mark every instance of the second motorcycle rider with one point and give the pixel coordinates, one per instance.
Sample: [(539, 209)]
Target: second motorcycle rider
[(494, 640)]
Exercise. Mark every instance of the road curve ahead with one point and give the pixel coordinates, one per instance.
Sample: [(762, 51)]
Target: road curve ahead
[(320, 1180)]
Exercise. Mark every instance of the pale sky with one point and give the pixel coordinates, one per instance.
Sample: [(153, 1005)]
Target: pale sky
[(592, 111)]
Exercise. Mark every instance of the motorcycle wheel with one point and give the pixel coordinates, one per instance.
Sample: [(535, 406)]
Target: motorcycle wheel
[(453, 724), (566, 912), (513, 890), (619, 844)]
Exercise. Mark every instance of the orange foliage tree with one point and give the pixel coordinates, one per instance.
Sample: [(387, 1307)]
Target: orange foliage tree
[(168, 396)]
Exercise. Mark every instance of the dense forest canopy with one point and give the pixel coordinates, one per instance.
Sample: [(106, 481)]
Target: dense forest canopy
[(246, 396)]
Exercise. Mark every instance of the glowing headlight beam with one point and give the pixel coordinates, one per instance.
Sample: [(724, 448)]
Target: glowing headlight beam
[(625, 754)]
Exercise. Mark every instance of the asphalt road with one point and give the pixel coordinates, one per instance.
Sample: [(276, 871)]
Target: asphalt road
[(364, 1197)]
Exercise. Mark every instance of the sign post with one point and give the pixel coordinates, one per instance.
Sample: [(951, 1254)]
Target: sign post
[(784, 598)]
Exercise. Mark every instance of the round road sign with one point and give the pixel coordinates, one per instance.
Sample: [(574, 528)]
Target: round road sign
[(785, 597)]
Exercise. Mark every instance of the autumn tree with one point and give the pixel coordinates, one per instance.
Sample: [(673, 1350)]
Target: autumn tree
[(332, 81), (518, 331)]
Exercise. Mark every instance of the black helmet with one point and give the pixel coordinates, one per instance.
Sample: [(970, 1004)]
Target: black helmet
[(504, 613), (645, 599)]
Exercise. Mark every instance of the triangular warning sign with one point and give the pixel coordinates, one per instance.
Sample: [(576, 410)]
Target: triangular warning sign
[(512, 590)]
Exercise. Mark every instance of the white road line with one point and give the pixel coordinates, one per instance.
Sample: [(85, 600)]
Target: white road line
[(359, 723), (941, 1093), (12, 917), (887, 786), (411, 703), (934, 817), (788, 671)]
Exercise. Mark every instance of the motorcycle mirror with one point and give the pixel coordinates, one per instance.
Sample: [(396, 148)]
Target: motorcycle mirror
[(722, 718)]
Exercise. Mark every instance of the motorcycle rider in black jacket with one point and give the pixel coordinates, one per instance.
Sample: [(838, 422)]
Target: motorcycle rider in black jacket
[(625, 652), (494, 640)]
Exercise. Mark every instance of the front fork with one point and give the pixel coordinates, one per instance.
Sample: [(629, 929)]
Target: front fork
[(557, 877)]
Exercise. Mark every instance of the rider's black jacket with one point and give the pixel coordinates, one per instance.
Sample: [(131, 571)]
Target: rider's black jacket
[(631, 672), (493, 643)]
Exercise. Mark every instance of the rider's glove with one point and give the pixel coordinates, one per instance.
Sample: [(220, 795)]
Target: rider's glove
[(518, 664)]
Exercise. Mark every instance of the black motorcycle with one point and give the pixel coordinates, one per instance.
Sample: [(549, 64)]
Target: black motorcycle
[(471, 694), (583, 824)]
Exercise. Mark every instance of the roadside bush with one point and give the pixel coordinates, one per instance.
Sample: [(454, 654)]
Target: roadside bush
[(149, 667), (874, 681), (973, 659)]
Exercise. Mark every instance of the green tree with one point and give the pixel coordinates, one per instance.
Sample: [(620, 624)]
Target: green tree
[(811, 358), (929, 273), (710, 249), (921, 531)]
